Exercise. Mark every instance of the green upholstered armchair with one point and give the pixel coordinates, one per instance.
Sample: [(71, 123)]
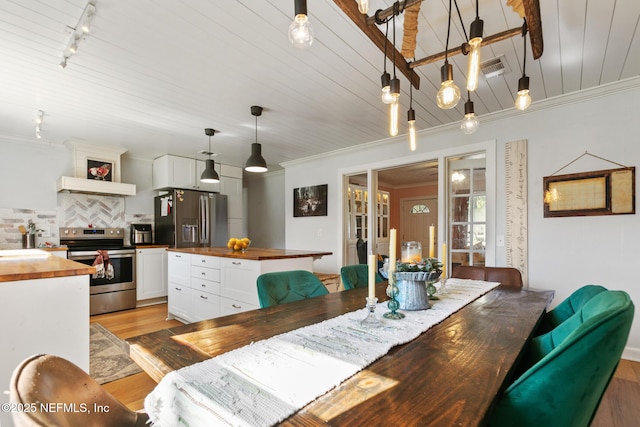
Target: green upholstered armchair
[(288, 286), (568, 307), (356, 276), (570, 367)]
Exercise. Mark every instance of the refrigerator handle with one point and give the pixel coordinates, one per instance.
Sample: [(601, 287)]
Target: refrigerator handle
[(204, 219)]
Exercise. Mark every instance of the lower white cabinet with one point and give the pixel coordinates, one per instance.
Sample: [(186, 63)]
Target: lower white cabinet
[(203, 287), (151, 273)]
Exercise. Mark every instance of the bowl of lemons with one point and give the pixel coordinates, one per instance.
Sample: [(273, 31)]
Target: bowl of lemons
[(236, 244)]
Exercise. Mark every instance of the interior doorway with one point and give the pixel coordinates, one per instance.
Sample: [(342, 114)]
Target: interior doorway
[(417, 215), (383, 211)]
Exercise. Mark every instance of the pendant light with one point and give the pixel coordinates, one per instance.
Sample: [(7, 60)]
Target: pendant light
[(300, 31), (475, 40), (411, 120), (385, 79), (470, 122), (209, 175), (523, 100), (449, 94), (363, 6), (256, 162), (395, 83)]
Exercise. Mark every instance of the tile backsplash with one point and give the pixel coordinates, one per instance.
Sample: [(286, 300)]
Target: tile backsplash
[(73, 210)]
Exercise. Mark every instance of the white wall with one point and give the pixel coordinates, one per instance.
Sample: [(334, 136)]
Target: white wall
[(265, 211), (564, 253)]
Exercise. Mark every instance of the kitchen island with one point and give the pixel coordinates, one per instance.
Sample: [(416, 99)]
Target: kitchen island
[(205, 283), (44, 308)]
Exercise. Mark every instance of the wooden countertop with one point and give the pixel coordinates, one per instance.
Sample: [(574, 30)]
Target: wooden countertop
[(18, 267), (151, 246), (255, 254)]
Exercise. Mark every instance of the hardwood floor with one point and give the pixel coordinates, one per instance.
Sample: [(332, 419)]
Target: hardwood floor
[(618, 408)]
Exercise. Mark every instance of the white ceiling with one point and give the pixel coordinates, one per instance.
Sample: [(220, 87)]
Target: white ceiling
[(153, 74)]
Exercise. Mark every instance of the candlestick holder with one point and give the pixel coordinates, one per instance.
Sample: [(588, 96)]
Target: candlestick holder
[(393, 304), (371, 321)]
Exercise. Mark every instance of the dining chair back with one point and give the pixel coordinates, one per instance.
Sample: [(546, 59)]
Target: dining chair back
[(50, 380), (507, 276), (570, 367), (288, 286), (568, 307), (356, 276)]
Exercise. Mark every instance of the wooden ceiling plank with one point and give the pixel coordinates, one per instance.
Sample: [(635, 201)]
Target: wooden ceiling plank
[(350, 8)]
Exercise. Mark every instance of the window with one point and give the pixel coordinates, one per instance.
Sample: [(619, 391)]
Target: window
[(467, 213)]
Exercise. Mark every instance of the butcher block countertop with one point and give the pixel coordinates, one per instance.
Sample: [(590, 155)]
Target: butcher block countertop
[(255, 254), (36, 264)]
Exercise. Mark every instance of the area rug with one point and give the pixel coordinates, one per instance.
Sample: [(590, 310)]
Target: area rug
[(108, 356)]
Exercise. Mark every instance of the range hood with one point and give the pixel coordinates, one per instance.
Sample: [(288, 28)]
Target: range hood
[(87, 159), (83, 185)]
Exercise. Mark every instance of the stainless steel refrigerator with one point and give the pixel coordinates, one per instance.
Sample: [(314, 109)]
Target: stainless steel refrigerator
[(190, 219)]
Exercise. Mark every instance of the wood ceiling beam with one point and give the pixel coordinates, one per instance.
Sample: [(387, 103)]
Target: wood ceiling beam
[(458, 50), (350, 8)]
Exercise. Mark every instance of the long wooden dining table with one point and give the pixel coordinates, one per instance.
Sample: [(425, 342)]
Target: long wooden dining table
[(451, 375)]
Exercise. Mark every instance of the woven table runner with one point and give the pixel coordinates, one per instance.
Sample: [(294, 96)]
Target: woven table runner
[(265, 382)]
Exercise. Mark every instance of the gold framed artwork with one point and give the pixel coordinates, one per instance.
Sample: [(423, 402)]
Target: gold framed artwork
[(603, 192)]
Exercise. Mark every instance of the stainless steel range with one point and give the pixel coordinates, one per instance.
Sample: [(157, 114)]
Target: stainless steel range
[(113, 286)]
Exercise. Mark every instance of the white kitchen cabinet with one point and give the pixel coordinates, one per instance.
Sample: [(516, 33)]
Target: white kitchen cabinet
[(179, 285), (232, 187), (180, 172), (204, 287), (151, 273), (239, 280)]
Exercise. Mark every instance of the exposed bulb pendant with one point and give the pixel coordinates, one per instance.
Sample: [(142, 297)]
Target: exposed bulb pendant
[(449, 93), (523, 100), (411, 120), (473, 69), (386, 88), (363, 6), (256, 162), (470, 122), (300, 31), (394, 107), (209, 175)]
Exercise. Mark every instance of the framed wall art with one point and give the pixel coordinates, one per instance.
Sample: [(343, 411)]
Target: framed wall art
[(310, 201), (603, 192), (98, 169)]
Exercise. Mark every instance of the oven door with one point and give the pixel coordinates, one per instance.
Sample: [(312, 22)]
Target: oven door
[(124, 270)]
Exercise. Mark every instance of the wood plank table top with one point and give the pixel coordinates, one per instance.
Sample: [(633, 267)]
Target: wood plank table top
[(450, 375), (255, 254), (16, 266)]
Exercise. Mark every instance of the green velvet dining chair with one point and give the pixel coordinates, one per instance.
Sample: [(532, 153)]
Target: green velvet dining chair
[(288, 286), (570, 367), (356, 276), (568, 307)]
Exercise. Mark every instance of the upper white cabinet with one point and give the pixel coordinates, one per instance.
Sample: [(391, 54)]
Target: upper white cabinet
[(181, 172)]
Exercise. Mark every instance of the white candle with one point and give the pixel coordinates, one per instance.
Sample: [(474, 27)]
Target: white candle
[(444, 260), (392, 250), (432, 242), (372, 275)]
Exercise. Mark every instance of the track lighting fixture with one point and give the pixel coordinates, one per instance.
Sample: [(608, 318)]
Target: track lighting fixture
[(470, 122), (209, 175), (256, 162), (523, 100), (81, 29), (475, 40), (39, 120), (300, 31)]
